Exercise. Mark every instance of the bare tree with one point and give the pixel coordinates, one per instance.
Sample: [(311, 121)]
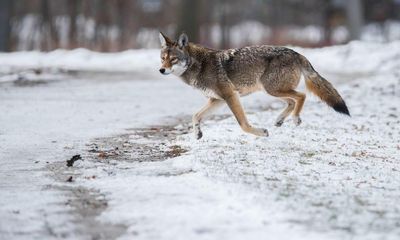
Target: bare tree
[(72, 33), (188, 21), (123, 22), (354, 9), (5, 26), (224, 24), (50, 40)]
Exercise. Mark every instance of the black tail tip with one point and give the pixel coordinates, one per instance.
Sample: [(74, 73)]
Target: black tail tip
[(341, 108)]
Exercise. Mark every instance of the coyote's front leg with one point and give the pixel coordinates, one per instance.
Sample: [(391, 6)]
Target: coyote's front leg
[(232, 99), (211, 105)]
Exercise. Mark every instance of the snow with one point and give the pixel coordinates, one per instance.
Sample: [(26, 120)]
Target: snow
[(190, 205), (81, 60), (333, 177)]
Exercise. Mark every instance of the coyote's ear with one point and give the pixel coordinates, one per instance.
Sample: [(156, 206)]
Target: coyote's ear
[(183, 40), (164, 40)]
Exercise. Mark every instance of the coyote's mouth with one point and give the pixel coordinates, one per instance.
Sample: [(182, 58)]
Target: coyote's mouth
[(165, 71)]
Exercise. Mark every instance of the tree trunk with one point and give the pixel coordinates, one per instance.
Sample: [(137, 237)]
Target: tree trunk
[(72, 34), (188, 21), (5, 27), (225, 39), (355, 18), (48, 30)]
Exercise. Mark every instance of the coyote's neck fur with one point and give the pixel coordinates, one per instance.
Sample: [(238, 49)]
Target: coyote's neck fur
[(198, 59)]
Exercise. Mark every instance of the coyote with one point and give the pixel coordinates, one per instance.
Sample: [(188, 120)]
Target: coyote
[(224, 75)]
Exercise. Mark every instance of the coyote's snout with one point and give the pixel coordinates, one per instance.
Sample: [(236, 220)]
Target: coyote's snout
[(224, 75)]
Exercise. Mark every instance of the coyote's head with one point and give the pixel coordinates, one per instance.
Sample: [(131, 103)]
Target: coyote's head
[(174, 55)]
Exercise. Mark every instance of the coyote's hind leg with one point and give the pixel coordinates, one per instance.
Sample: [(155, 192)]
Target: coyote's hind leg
[(299, 98), (296, 97), (288, 110)]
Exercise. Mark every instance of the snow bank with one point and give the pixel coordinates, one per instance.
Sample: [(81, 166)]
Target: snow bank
[(355, 57), (81, 60)]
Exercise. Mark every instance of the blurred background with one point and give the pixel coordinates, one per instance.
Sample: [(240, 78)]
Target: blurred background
[(116, 25), (106, 101)]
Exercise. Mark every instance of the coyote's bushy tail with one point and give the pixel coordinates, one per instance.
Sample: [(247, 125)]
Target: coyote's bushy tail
[(323, 89)]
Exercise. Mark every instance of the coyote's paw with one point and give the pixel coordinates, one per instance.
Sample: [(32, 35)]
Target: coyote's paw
[(266, 134), (261, 132), (198, 134), (297, 120), (279, 122)]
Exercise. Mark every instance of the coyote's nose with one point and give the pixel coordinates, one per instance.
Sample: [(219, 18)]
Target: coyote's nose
[(162, 70)]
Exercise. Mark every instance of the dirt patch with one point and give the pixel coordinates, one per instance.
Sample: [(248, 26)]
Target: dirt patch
[(140, 145)]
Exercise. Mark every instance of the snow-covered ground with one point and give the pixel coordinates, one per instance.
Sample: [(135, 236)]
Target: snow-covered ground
[(332, 177), (47, 123)]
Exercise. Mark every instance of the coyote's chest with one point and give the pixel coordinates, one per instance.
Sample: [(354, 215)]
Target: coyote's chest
[(210, 93), (241, 91), (206, 91)]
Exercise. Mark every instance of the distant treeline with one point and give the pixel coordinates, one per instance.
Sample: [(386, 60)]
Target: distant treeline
[(115, 25)]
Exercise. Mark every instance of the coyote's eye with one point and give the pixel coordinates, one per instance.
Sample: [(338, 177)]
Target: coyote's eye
[(174, 60)]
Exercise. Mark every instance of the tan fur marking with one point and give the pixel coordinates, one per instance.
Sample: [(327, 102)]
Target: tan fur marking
[(166, 62), (298, 97), (285, 113), (323, 89), (212, 104), (237, 110)]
